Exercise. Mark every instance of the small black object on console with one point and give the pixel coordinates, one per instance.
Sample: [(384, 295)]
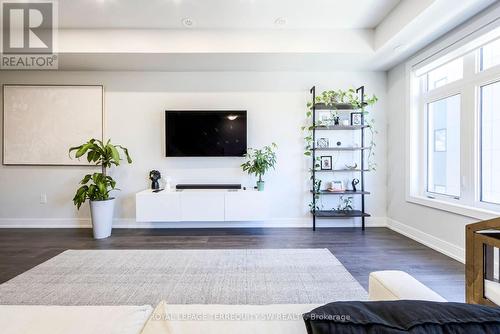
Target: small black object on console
[(154, 176)]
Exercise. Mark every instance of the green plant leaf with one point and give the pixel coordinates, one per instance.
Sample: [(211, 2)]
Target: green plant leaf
[(86, 179), (125, 150), (114, 154), (83, 149)]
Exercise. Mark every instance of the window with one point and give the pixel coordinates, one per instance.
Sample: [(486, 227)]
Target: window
[(454, 137), (445, 74), (443, 146), (490, 55), (490, 143)]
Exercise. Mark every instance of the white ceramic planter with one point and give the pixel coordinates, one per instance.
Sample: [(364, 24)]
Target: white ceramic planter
[(102, 217)]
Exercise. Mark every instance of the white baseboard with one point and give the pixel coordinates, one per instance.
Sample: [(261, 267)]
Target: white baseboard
[(431, 241), (131, 223), (45, 223)]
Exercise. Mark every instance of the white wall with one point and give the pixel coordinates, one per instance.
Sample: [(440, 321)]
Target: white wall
[(438, 229), (134, 106)]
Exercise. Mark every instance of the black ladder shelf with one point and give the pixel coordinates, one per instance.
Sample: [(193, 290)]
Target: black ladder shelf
[(332, 214)]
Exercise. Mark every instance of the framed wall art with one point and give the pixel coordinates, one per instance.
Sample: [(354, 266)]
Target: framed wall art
[(41, 122)]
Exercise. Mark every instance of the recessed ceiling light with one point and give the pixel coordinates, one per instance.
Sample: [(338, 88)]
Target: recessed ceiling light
[(281, 21), (188, 22)]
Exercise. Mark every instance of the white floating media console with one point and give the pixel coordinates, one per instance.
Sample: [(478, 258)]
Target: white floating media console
[(200, 205)]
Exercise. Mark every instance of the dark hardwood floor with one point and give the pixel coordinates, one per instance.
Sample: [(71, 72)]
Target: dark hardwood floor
[(360, 252)]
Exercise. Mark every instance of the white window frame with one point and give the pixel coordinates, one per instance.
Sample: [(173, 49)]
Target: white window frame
[(461, 43), (423, 105)]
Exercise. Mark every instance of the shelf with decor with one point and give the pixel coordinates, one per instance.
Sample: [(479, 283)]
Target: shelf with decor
[(341, 170), (354, 148), (341, 214), (356, 123), (344, 192), (338, 106), (340, 127)]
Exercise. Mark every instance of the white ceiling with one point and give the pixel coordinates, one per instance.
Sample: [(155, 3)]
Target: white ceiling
[(241, 35), (223, 14)]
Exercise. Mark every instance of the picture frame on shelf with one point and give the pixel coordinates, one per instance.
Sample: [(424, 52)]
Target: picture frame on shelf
[(336, 186), (326, 162), (356, 118), (325, 117)]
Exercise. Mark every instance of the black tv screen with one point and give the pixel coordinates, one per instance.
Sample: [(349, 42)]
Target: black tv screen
[(206, 133)]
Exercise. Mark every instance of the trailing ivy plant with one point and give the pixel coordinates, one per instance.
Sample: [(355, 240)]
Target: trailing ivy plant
[(345, 204), (97, 186), (317, 188), (331, 98)]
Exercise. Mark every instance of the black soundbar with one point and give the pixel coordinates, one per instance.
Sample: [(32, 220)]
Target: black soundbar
[(208, 186)]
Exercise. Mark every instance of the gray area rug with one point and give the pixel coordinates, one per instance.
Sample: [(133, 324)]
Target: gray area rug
[(137, 277)]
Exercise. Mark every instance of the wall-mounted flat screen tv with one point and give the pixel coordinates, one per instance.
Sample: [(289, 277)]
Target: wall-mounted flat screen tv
[(206, 133)]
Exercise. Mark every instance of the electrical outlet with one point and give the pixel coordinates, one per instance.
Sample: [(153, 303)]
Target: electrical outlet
[(43, 198)]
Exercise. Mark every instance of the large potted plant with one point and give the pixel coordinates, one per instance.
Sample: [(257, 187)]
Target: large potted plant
[(259, 161), (96, 187)]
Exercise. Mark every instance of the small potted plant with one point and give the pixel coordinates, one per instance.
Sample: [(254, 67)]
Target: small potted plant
[(97, 186), (345, 204), (259, 162)]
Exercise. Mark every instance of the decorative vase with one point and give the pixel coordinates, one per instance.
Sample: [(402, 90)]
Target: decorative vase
[(102, 217), (260, 185)]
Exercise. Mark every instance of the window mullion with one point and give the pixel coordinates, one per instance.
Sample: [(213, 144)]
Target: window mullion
[(468, 113), (467, 146), (443, 92), (422, 132)]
